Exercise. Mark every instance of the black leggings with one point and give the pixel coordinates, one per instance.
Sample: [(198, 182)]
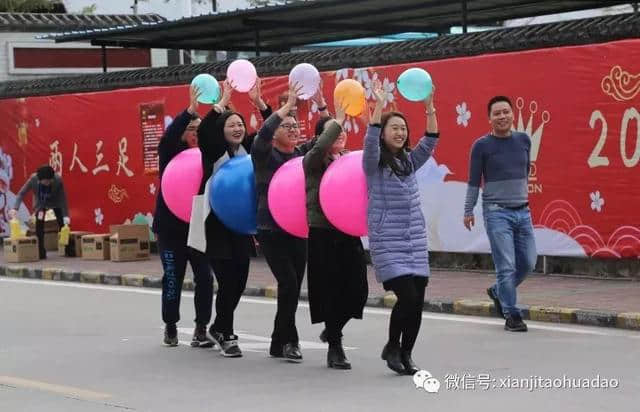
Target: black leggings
[(231, 275), (406, 315)]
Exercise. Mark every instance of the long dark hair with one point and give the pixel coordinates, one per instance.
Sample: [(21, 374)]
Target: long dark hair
[(387, 158), (211, 133)]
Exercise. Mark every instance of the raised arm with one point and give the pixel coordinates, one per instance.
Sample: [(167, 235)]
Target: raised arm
[(172, 138), (424, 149), (263, 141), (371, 149), (319, 100), (314, 158)]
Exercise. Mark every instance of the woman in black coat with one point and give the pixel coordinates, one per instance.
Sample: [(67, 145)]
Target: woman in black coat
[(221, 136)]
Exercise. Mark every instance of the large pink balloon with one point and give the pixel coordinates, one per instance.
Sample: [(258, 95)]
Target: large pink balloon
[(343, 194), (242, 75), (287, 198), (181, 181)]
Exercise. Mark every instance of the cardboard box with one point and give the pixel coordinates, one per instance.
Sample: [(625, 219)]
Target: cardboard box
[(20, 250), (51, 230), (129, 242), (96, 247), (74, 247)]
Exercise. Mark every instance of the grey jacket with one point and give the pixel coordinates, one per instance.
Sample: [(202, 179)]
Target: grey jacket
[(397, 229), (57, 198)]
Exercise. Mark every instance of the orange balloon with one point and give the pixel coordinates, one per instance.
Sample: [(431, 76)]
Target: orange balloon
[(351, 94)]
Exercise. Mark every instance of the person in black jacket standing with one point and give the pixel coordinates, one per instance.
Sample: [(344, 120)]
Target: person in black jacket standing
[(172, 239), (222, 135)]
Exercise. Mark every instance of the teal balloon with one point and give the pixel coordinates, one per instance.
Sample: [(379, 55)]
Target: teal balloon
[(208, 87), (415, 84)]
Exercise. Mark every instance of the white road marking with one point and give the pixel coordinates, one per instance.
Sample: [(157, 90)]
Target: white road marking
[(578, 329), (256, 343)]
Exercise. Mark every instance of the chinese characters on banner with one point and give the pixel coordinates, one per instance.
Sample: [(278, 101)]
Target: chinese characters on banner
[(581, 111), (152, 126)]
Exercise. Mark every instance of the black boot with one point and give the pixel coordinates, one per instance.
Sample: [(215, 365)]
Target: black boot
[(391, 354), (336, 358), (409, 366)]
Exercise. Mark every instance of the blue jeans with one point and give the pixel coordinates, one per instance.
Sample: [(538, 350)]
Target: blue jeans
[(513, 248)]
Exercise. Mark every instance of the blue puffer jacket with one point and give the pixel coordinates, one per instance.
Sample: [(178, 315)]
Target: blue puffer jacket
[(397, 230)]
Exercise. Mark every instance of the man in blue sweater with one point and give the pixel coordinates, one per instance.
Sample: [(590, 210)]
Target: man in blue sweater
[(500, 160)]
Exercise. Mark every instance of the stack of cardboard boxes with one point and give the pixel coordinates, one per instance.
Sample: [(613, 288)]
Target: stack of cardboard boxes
[(51, 229), (124, 243)]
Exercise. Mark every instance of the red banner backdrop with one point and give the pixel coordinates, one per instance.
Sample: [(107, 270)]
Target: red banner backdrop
[(578, 104)]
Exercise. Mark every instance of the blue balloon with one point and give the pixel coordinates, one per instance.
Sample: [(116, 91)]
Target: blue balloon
[(415, 84), (232, 195), (208, 87)]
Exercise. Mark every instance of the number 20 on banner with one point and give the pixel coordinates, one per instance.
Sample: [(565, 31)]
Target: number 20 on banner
[(595, 159)]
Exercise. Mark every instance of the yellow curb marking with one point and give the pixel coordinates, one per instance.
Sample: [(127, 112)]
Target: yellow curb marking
[(69, 391)]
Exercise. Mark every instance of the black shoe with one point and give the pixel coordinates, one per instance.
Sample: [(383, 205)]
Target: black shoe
[(410, 368), (323, 336), (291, 352), (43, 256), (228, 344), (391, 354), (515, 324), (170, 334), (275, 350), (200, 339), (496, 302), (336, 358)]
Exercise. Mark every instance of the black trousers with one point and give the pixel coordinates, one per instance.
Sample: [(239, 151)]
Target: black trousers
[(231, 275), (337, 279), (40, 228), (286, 256), (406, 315), (174, 254)]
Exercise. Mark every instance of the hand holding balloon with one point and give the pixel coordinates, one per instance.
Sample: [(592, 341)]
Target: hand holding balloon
[(255, 94), (194, 95)]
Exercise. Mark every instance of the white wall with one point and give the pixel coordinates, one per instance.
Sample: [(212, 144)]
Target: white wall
[(605, 11), (9, 39), (171, 9)]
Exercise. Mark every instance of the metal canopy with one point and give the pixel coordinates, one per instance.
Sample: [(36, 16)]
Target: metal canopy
[(279, 28)]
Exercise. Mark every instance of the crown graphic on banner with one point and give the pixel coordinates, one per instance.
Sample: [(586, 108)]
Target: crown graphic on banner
[(519, 126)]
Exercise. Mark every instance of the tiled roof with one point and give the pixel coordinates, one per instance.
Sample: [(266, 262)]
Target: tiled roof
[(576, 32), (47, 22)]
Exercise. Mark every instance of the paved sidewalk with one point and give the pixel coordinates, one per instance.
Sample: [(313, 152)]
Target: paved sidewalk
[(551, 298)]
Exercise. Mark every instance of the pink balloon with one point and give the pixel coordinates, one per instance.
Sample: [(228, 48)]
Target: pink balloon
[(181, 181), (242, 75), (287, 198), (307, 76), (343, 194)]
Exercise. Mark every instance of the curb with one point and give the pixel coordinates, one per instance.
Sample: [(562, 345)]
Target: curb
[(602, 318)]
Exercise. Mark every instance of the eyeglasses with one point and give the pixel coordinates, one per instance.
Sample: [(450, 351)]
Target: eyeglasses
[(292, 126)]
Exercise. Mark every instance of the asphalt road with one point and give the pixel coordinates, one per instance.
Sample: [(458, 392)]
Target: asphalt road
[(77, 347)]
